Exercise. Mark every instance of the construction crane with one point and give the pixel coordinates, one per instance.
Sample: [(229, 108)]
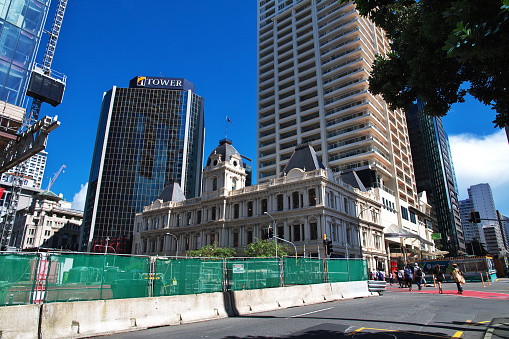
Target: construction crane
[(28, 121), (52, 181)]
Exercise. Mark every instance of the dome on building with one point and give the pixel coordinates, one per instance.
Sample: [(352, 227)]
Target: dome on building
[(226, 150)]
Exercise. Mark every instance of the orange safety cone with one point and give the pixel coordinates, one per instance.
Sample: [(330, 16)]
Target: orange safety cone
[(488, 278), (482, 279)]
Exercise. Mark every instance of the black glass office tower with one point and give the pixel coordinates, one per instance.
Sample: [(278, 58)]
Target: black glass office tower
[(434, 173), (149, 135)]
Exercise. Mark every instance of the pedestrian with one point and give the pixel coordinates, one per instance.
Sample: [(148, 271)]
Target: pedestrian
[(439, 274), (458, 277), (381, 276), (408, 277), (401, 277), (392, 277), (418, 276)]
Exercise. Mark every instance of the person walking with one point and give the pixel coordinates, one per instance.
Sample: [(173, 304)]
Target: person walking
[(401, 277), (439, 274), (458, 277), (409, 277), (418, 276)]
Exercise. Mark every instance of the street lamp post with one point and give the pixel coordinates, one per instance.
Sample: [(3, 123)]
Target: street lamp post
[(176, 242), (275, 231)]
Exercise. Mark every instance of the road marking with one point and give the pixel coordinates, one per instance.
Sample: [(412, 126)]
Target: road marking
[(300, 315), (456, 335)]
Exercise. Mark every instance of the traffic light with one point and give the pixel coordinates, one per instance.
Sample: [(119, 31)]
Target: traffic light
[(329, 247), (475, 218), (268, 233)]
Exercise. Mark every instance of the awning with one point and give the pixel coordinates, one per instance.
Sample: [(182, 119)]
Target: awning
[(394, 231)]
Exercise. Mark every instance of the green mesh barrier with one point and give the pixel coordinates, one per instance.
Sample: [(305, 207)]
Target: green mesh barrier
[(248, 274), (187, 276), (337, 270), (358, 269), (303, 271), (73, 277), (17, 277)]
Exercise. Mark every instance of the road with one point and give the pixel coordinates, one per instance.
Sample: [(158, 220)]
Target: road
[(398, 313)]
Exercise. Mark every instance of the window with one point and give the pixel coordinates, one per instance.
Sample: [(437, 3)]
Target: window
[(349, 235), (249, 208), (345, 201), (296, 233), (281, 232), (234, 184), (404, 213), (264, 205), (312, 197), (280, 202), (314, 230), (213, 213), (295, 200), (412, 217), (236, 239), (189, 218), (249, 237), (236, 209), (198, 217), (214, 184)]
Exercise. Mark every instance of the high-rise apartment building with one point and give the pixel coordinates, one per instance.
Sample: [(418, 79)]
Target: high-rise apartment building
[(21, 26), (150, 135), (314, 59), (434, 173), (470, 231), (34, 172)]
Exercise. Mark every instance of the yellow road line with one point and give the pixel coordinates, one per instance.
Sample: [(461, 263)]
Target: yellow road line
[(387, 330), (357, 330), (457, 334)]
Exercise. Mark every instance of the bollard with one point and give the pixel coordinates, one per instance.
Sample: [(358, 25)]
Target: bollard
[(482, 279), (488, 278)]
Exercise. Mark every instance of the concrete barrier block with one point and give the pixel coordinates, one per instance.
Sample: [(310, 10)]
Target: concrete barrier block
[(262, 300), (350, 289), (320, 293), (63, 320), (19, 322)]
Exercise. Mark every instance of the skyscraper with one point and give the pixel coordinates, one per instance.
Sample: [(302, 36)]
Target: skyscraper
[(150, 135), (314, 58), (34, 173), (21, 25), (434, 173), (488, 231)]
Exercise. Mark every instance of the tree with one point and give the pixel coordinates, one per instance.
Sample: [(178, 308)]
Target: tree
[(439, 48), (265, 248), (212, 251)]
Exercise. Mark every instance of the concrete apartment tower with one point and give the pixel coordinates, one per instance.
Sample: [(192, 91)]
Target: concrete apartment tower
[(314, 58), (150, 135)]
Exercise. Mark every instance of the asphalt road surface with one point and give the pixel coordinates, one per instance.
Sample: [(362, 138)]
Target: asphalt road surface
[(398, 313)]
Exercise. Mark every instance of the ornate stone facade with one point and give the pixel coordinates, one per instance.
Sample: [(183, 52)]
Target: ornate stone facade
[(305, 204)]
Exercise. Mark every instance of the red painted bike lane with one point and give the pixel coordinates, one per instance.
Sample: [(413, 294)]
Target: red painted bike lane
[(466, 293)]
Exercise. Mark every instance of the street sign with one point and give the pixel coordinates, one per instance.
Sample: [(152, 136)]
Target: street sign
[(394, 263), (238, 268), (436, 236)]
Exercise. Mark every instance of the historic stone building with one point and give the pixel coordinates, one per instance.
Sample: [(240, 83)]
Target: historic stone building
[(305, 203)]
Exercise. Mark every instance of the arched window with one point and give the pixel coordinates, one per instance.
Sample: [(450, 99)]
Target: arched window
[(214, 184), (234, 184)]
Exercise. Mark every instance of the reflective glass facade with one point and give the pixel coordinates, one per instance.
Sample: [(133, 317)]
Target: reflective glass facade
[(21, 23), (434, 173), (146, 139)]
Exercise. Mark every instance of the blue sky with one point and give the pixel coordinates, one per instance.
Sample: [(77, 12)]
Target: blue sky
[(212, 44)]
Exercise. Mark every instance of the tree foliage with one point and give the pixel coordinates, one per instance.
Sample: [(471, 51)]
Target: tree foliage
[(212, 251), (438, 46), (265, 248)]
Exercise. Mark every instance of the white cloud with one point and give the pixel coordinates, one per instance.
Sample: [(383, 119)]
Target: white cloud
[(78, 201), (481, 159)]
